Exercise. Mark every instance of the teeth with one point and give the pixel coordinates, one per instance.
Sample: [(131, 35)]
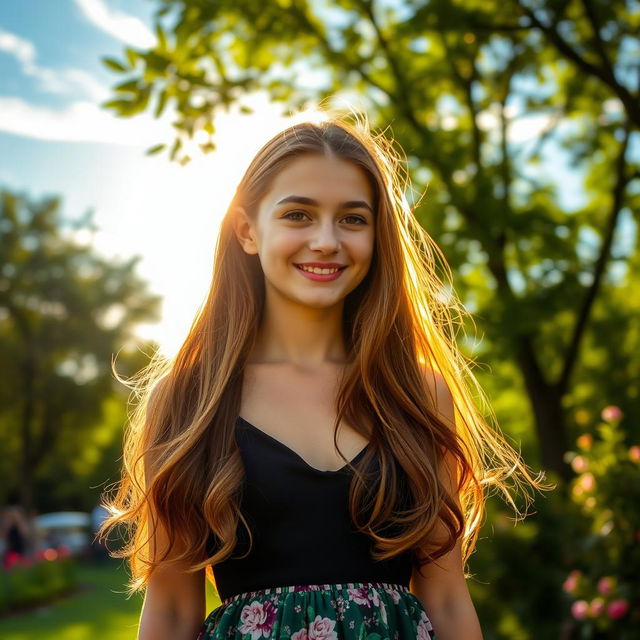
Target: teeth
[(318, 270)]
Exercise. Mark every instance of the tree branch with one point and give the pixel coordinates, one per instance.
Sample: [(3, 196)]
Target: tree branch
[(599, 44), (582, 319), (630, 102)]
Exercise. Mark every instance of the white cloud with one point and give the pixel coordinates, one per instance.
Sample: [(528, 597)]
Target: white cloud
[(59, 81), (79, 122), (117, 23), (21, 49)]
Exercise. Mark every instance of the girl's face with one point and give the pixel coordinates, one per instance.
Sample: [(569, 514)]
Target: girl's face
[(318, 212)]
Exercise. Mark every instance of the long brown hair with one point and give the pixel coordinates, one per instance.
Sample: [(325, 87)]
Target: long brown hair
[(180, 455)]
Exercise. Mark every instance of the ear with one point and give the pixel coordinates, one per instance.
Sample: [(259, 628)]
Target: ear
[(244, 230)]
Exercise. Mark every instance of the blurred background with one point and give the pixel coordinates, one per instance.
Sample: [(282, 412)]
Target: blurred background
[(124, 129)]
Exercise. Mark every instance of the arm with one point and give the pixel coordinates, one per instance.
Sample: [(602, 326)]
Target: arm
[(174, 606), (442, 588), (174, 603)]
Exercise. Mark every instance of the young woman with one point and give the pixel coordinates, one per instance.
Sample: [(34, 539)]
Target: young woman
[(313, 448)]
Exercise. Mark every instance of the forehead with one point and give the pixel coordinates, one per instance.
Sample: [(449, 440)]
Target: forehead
[(327, 179)]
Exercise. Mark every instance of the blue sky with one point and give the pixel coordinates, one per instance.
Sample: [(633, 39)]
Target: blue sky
[(49, 61)]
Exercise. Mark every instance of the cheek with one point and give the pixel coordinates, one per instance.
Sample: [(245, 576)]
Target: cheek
[(280, 248), (363, 248)]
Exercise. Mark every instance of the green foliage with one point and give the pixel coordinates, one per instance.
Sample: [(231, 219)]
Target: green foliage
[(64, 312), (517, 568), (37, 582), (114, 65)]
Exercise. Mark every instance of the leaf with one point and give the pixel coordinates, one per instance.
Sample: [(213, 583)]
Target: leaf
[(129, 86), (177, 145), (162, 38), (114, 65), (122, 106), (132, 56), (162, 101), (155, 149)]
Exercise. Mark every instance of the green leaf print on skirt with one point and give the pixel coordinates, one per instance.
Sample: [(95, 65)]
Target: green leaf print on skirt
[(338, 611)]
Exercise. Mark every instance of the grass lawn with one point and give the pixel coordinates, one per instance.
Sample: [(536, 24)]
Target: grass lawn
[(101, 611)]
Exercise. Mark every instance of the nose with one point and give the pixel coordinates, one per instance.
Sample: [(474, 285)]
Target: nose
[(325, 239)]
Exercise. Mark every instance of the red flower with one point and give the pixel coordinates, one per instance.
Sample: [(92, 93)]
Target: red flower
[(617, 609), (63, 551)]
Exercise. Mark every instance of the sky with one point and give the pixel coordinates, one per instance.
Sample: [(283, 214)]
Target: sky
[(55, 139)]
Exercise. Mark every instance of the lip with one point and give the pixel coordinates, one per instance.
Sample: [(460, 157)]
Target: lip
[(320, 277), (322, 265)]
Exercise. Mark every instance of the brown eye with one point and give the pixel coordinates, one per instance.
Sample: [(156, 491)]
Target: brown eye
[(286, 215), (359, 219)]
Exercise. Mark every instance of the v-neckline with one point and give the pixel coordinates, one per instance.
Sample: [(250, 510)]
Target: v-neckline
[(298, 456)]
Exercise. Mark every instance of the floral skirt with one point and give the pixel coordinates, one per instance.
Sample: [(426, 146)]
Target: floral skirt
[(346, 611)]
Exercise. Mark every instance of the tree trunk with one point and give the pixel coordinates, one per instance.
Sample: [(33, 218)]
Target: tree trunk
[(546, 403)]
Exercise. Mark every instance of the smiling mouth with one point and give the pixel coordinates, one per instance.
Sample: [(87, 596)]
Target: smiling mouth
[(320, 270)]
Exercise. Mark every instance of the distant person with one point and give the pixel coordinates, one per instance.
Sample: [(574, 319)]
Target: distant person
[(15, 533)]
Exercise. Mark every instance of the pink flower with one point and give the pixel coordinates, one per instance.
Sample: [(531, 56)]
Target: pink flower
[(322, 629), (50, 554), (12, 558), (579, 464), (634, 453), (611, 413), (585, 441), (588, 481), (617, 609), (580, 609), (300, 635), (375, 598), (360, 596), (422, 632), (596, 607), (605, 585), (571, 581), (395, 594), (424, 627), (257, 619)]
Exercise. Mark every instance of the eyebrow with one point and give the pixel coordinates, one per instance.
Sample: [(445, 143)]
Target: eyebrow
[(345, 205)]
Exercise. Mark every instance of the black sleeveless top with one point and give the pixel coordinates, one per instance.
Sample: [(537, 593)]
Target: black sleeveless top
[(300, 521)]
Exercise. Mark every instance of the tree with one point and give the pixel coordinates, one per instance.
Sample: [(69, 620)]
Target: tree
[(454, 78), (64, 312)]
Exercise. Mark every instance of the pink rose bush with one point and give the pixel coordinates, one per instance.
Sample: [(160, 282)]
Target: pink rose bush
[(604, 593), (31, 579)]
